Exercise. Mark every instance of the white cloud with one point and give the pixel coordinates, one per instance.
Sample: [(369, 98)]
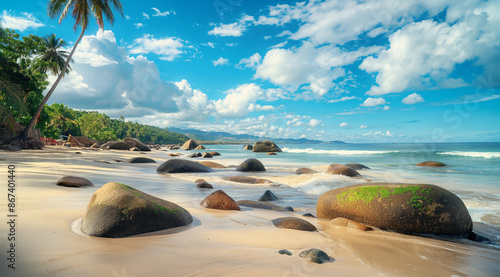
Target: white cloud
[(344, 124), (138, 25), (279, 45), (285, 33), (145, 15), (251, 62), (210, 44), (386, 108), (167, 48), (158, 13), (237, 102), (413, 98), (363, 126), (228, 30), (377, 31), (371, 102), (232, 44), (314, 122), (127, 17), (345, 98), (20, 23), (220, 61)]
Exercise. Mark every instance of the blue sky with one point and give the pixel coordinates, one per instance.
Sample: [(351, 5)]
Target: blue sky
[(357, 71)]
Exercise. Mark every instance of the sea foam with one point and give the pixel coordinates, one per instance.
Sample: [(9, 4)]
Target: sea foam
[(487, 155), (336, 152)]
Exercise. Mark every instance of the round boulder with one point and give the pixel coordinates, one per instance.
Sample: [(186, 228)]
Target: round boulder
[(214, 153), (137, 143), (181, 166), (204, 185), (117, 145), (338, 169), (315, 255), (117, 210), (304, 170), (431, 164), (294, 223), (405, 208), (268, 196), (219, 200), (265, 146), (357, 166), (206, 155), (212, 164), (140, 160), (200, 147), (251, 165), (74, 182)]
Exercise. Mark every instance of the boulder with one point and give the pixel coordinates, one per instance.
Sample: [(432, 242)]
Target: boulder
[(405, 208), (200, 147), (219, 200), (338, 169), (204, 185), (137, 143), (134, 149), (194, 155), (206, 155), (268, 196), (117, 210), (141, 160), (248, 147), (271, 154), (84, 140), (431, 164), (340, 221), (265, 146), (9, 147), (74, 182), (357, 166), (199, 181), (261, 205), (285, 252), (247, 180), (95, 145), (180, 166), (75, 142), (173, 154), (211, 164), (294, 223), (116, 145), (214, 153), (304, 170), (189, 145), (308, 215), (251, 165), (315, 255)]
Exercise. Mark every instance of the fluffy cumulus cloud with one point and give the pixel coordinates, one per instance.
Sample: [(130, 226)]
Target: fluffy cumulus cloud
[(371, 102), (220, 61), (237, 102), (168, 48), (413, 98), (20, 23), (250, 62), (343, 124)]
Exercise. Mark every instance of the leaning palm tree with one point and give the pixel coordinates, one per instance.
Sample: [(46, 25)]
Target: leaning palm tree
[(55, 54), (81, 10)]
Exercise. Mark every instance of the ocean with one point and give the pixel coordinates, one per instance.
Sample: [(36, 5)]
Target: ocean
[(472, 173)]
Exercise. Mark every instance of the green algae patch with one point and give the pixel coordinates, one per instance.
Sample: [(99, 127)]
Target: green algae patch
[(367, 194), (131, 189), (164, 210)]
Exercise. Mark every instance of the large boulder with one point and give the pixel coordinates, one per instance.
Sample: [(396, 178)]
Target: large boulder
[(294, 223), (75, 142), (265, 146), (181, 166), (74, 182), (219, 200), (139, 144), (251, 165), (406, 208), (431, 164), (116, 145), (84, 140), (338, 169), (117, 210), (190, 145), (140, 160)]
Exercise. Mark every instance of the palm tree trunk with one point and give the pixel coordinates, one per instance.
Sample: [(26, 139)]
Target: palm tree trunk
[(24, 135)]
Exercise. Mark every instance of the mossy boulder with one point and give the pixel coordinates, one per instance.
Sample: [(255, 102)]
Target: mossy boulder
[(339, 169), (117, 210), (265, 146), (182, 166), (431, 164), (406, 208), (251, 165), (137, 143)]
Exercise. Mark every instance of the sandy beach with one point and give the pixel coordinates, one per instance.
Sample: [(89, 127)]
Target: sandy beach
[(218, 243)]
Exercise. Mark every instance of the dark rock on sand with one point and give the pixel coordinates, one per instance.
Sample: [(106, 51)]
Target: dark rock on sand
[(180, 166), (248, 147), (190, 145), (141, 160), (268, 196), (75, 182), (251, 165), (212, 164), (9, 147), (214, 153), (289, 208), (206, 155), (294, 223), (304, 170), (406, 208), (116, 145), (285, 252), (247, 180), (200, 147), (315, 255), (204, 185), (431, 164), (340, 221), (261, 205), (219, 200), (265, 146), (308, 215), (338, 169), (357, 166), (117, 210)]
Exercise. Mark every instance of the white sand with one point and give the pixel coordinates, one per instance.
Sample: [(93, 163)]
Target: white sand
[(217, 243)]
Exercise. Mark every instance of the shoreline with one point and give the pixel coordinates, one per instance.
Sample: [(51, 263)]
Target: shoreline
[(223, 243)]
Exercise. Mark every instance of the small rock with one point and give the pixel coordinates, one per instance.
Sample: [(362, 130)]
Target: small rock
[(308, 215), (251, 165), (206, 155), (205, 185), (199, 181), (200, 147), (431, 164), (75, 182), (294, 223), (194, 155), (285, 252), (268, 196), (314, 255), (304, 170), (247, 180), (219, 200), (338, 169), (289, 208), (271, 154), (141, 160), (78, 153)]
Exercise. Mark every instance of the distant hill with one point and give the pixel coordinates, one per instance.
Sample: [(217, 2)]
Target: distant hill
[(225, 137)]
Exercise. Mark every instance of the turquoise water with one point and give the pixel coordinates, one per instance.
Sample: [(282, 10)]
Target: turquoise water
[(473, 171)]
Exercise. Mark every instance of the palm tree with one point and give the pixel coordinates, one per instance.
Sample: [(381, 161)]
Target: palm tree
[(55, 54), (61, 116), (81, 10)]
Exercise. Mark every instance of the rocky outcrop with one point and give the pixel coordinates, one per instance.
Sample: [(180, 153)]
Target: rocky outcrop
[(304, 170), (338, 169), (251, 165), (357, 166), (200, 147), (406, 208), (74, 182), (268, 196), (137, 143), (265, 146), (219, 200), (181, 166), (248, 147), (211, 164), (431, 164), (294, 223), (141, 160), (315, 255), (189, 145), (117, 210), (247, 180)]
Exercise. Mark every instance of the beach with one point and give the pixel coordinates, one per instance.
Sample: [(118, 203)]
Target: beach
[(49, 241)]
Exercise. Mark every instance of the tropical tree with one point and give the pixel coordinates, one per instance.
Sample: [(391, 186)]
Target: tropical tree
[(62, 118), (55, 55), (81, 10)]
